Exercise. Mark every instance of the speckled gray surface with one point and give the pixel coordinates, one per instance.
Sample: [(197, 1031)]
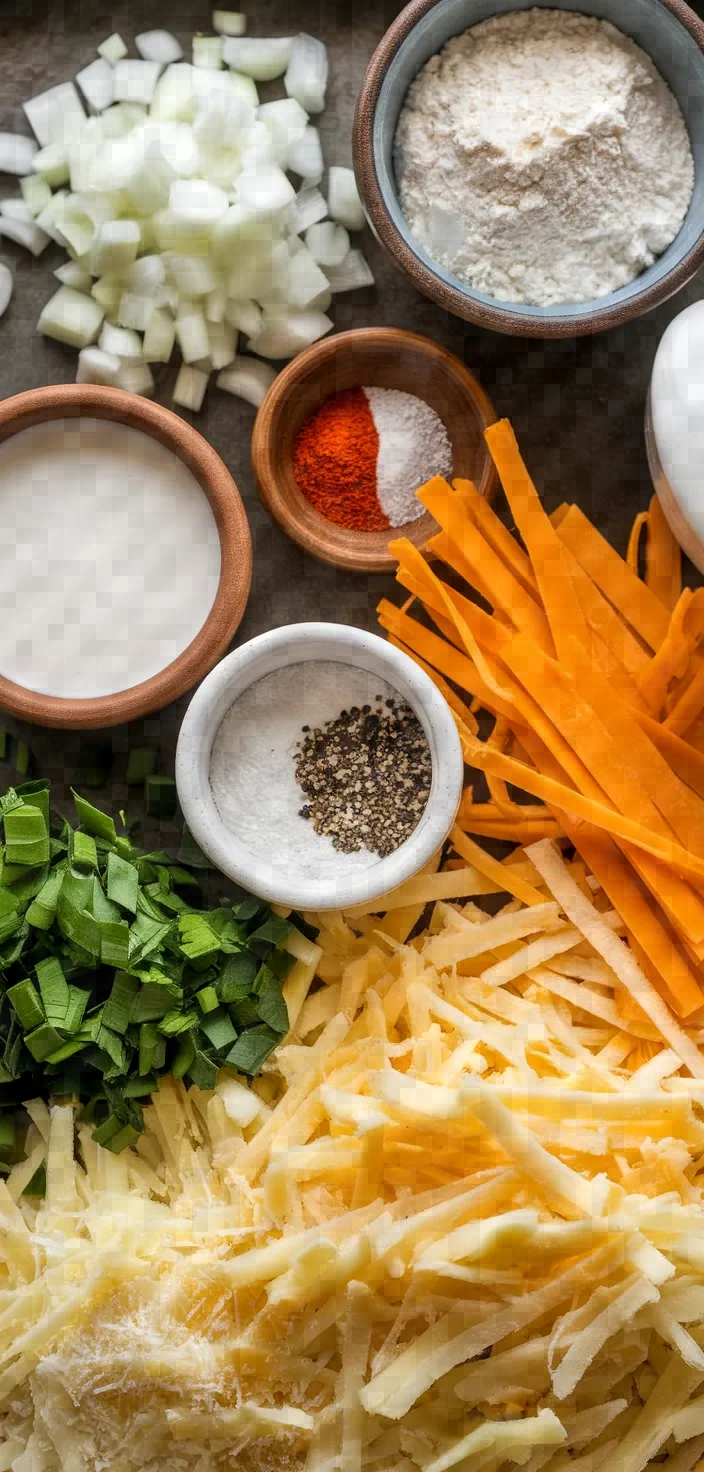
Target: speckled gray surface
[(577, 407)]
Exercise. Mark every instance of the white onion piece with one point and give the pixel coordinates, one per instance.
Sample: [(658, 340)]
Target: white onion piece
[(97, 366), (51, 165), (286, 335), (245, 316), (286, 122), (96, 84), (173, 96), (121, 341), (135, 311), (159, 337), (344, 203), (71, 317), (264, 191), (158, 46), (351, 274), (307, 209), (305, 280), (214, 305), (189, 388), (47, 220), (135, 81), (196, 206), (305, 155), (108, 293), (135, 377), (115, 246), (35, 193), (328, 243), (229, 22), (149, 184), (6, 285), (207, 52), (221, 340), (264, 60), (24, 232), (71, 274), (16, 153), (192, 335), (307, 73), (16, 209), (247, 378), (146, 275), (113, 49), (191, 275), (55, 116)]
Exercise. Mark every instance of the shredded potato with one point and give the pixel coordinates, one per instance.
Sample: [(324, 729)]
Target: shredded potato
[(457, 1223)]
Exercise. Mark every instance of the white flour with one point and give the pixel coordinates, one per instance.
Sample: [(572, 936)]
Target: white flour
[(413, 447), (252, 775), (542, 158)]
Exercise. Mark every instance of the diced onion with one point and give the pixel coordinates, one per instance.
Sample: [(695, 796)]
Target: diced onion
[(55, 116), (135, 377), (158, 46), (305, 279), (307, 209), (71, 274), (328, 243), (173, 96), (264, 191), (24, 232), (286, 122), (113, 49), (304, 155), (264, 60), (16, 153), (135, 311), (192, 336), (97, 366), (71, 317), (229, 22), (307, 73), (196, 206), (35, 193), (115, 246), (285, 335), (159, 337), (135, 81), (51, 164), (245, 316), (189, 389), (122, 341), (221, 340), (247, 378), (191, 275), (344, 202), (351, 274), (207, 52), (6, 285), (96, 82), (146, 275)]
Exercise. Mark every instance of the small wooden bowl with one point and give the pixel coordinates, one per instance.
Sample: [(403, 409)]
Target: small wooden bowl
[(71, 402), (381, 357)]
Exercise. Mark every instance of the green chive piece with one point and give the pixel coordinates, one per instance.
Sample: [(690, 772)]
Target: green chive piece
[(67, 1050), (37, 1185), (142, 762), (42, 910), (247, 908), (203, 1071), (113, 1045), (272, 1007), (183, 1058), (207, 999), (160, 797), (253, 1048), (97, 823), (138, 1088), (218, 1029), (175, 1023), (153, 1002), (78, 1000), (27, 1004), (118, 1008), (114, 942), (44, 1041), (272, 932), (7, 1132), (75, 921), (196, 937), (37, 794), (191, 853), (82, 851), (237, 978), (281, 963), (244, 1013), (123, 883), (152, 1048), (23, 758), (115, 1137), (10, 801), (54, 990), (26, 836)]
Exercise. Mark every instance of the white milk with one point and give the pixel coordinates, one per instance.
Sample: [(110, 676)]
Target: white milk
[(677, 412), (109, 557)]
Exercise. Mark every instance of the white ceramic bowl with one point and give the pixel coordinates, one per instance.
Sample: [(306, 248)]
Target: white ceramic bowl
[(296, 644)]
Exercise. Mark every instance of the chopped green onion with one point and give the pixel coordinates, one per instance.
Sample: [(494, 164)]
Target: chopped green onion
[(174, 1023), (44, 1041), (253, 1048), (218, 1029), (42, 910), (123, 883), (185, 1053), (237, 979), (78, 1000), (37, 795), (245, 1013), (114, 942), (26, 836), (160, 796), (118, 1008), (152, 1048), (207, 999), (27, 1004), (97, 823), (82, 851), (272, 1007), (54, 990), (142, 762), (202, 1071)]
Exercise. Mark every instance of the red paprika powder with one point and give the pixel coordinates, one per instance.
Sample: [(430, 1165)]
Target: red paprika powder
[(334, 462)]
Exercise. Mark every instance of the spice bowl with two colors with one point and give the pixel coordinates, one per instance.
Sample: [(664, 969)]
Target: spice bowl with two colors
[(375, 358), (235, 768)]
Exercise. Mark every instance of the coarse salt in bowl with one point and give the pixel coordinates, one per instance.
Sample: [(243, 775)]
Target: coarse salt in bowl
[(283, 876)]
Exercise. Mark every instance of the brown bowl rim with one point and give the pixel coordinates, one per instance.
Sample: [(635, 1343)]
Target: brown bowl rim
[(356, 551), (496, 319), (70, 401)]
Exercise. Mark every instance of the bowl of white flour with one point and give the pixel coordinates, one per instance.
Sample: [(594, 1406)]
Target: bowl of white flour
[(535, 169)]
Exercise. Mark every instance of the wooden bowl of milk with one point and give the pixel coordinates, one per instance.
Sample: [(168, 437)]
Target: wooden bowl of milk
[(125, 556)]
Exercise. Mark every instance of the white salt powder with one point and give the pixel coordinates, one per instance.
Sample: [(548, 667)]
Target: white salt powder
[(252, 775), (413, 447)]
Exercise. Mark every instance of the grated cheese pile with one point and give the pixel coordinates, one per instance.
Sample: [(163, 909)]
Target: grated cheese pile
[(457, 1225)]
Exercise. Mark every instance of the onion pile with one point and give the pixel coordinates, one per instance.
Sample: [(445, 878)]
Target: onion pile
[(173, 198)]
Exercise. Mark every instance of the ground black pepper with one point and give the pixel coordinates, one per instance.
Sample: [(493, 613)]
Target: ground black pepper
[(366, 776)]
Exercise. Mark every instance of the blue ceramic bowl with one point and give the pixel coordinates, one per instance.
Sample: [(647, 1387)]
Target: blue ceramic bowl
[(670, 33)]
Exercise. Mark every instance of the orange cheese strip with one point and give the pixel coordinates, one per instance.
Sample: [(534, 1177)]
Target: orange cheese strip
[(636, 603), (671, 660), (432, 649), (686, 760), (492, 869), (610, 771), (633, 550), (663, 559), (546, 552), (497, 535), (603, 618), (453, 700), (559, 514)]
